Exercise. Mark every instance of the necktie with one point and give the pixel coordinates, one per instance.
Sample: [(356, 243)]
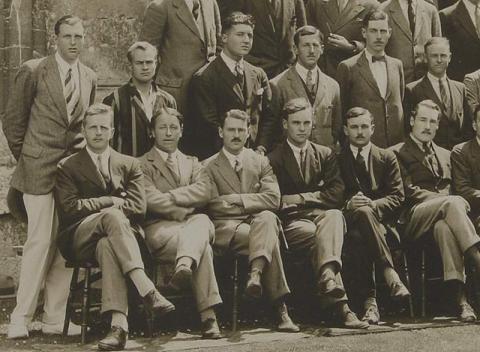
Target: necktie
[(309, 83), (239, 75), (411, 16), (477, 19), (378, 58), (195, 9), (362, 172), (71, 94), (103, 168), (303, 163), (172, 166), (431, 159), (444, 95), (238, 168)]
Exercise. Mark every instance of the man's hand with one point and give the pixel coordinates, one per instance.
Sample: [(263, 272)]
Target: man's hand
[(232, 199), (118, 202), (166, 200), (339, 42), (261, 150), (359, 200), (292, 199), (179, 213)]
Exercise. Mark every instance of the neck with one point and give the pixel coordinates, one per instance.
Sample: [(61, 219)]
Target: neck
[(306, 66), (438, 75), (143, 87), (296, 144), (234, 152), (374, 52), (232, 56), (96, 151)]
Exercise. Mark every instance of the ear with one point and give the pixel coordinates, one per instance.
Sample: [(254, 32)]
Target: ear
[(345, 130), (412, 120), (284, 124), (220, 132), (295, 50), (364, 33)]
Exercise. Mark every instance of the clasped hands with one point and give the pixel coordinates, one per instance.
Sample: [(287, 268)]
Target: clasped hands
[(360, 200)]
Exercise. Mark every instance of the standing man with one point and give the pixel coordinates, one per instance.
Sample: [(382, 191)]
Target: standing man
[(312, 192), (455, 122), (472, 87), (429, 206), (135, 102), (185, 32), (275, 24), (374, 195), (461, 25), (340, 22), (228, 82), (43, 125), (304, 79), (174, 232), (413, 22), (101, 198), (245, 196), (375, 81)]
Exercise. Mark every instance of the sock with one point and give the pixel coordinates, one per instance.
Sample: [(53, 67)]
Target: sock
[(327, 272), (119, 319), (208, 313), (141, 281), (390, 275), (258, 264), (187, 261)]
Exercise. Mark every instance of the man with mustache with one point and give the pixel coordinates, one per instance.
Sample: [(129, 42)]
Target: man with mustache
[(455, 122), (375, 81), (245, 196), (430, 208), (374, 195), (312, 192)]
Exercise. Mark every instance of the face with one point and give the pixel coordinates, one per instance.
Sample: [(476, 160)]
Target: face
[(98, 131), (438, 57), (359, 130), (70, 40), (234, 134), (237, 42), (425, 124), (376, 35), (309, 50), (299, 127), (167, 133), (143, 65)]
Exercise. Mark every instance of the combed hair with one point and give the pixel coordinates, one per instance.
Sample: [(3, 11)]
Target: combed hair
[(428, 104), (235, 18), (374, 15), (142, 46), (236, 114), (295, 105), (164, 110), (67, 19), (436, 40), (307, 30), (98, 109), (356, 112)]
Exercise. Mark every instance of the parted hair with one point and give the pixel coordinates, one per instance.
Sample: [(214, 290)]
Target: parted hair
[(295, 105), (236, 114), (356, 112), (436, 40), (164, 110), (67, 19), (142, 46), (306, 30), (427, 104), (374, 15), (235, 18), (98, 109)]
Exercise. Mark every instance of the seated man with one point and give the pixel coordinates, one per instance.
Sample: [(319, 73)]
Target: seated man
[(173, 232), (374, 194), (311, 189), (245, 195), (429, 205), (100, 196)]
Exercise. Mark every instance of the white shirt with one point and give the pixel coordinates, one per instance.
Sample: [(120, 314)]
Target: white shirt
[(105, 157), (231, 64), (165, 155), (63, 68), (365, 152), (233, 158), (404, 7), (379, 72), (420, 143), (302, 72), (296, 152), (471, 11), (148, 102), (436, 83)]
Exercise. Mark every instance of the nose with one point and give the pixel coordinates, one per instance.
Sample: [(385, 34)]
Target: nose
[(145, 66), (168, 132), (236, 133), (98, 131)]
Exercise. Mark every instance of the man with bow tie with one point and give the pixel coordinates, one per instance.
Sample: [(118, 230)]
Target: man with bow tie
[(375, 81), (245, 198), (312, 192), (135, 102), (455, 121), (101, 200), (430, 208), (174, 231), (374, 195)]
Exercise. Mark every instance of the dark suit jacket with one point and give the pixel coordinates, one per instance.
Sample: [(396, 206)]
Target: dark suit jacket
[(81, 191), (216, 91), (458, 27), (325, 16), (451, 131), (472, 86), (359, 88), (405, 46), (387, 188), (322, 186), (36, 123), (272, 48), (465, 160)]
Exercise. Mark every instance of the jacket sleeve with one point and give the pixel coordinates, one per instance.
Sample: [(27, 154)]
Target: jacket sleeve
[(461, 172), (154, 23), (135, 204)]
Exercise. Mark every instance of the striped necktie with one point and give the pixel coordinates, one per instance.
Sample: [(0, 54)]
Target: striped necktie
[(173, 167), (72, 97), (103, 168)]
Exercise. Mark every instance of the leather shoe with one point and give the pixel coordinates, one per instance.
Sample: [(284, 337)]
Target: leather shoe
[(372, 315), (466, 313), (57, 329), (17, 331), (182, 278), (254, 284), (350, 321), (114, 341), (398, 291), (330, 288), (210, 329), (286, 324), (156, 303)]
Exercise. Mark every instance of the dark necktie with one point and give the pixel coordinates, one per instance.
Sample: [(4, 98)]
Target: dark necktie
[(303, 163), (309, 83), (445, 95), (195, 9), (361, 171), (378, 58), (103, 168), (72, 97), (431, 159), (411, 17), (173, 168), (240, 75), (238, 168)]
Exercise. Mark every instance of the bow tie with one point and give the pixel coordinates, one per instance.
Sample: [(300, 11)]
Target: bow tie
[(378, 58)]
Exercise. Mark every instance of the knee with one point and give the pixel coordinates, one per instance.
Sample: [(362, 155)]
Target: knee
[(205, 226), (103, 246), (364, 212), (456, 202), (266, 216), (113, 216)]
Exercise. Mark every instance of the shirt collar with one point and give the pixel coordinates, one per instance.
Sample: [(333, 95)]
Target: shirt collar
[(231, 63), (433, 78), (303, 71), (63, 65), (369, 56), (164, 154), (365, 149), (297, 150), (419, 143), (231, 157), (105, 155)]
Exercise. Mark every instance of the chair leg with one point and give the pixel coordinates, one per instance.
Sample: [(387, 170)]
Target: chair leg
[(69, 308), (235, 296), (423, 285), (407, 279), (85, 304)]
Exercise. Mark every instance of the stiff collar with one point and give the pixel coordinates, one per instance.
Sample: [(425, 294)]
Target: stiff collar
[(104, 156), (231, 63), (303, 71), (232, 157)]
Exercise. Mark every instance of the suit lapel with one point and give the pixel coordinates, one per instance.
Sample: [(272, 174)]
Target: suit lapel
[(367, 74), (312, 166), (250, 78), (417, 153), (248, 169), (352, 9), (464, 20), (375, 166), (321, 88), (55, 86), (457, 99), (268, 12), (420, 18), (390, 74), (185, 169), (475, 151), (398, 17), (90, 170), (331, 12), (291, 166), (442, 163), (287, 8), (154, 157), (115, 171), (228, 174), (296, 82), (229, 80), (184, 14), (430, 91)]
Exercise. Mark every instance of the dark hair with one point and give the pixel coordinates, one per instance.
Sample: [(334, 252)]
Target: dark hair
[(142, 46), (430, 104), (98, 109), (235, 18), (356, 112), (236, 114), (436, 40), (374, 15), (163, 110), (67, 19), (295, 105), (306, 30)]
